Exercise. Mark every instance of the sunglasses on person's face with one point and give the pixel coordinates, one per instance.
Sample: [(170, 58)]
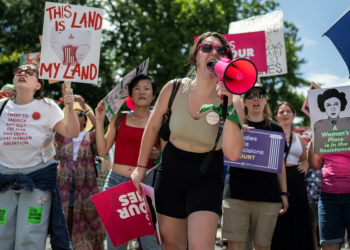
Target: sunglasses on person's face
[(253, 95), (7, 94), (27, 71), (207, 48), (81, 114)]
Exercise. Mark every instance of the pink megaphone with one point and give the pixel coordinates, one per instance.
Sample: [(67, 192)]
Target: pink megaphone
[(239, 76), (129, 102)]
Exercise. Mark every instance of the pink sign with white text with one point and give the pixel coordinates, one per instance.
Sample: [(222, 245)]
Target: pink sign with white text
[(124, 213), (248, 45)]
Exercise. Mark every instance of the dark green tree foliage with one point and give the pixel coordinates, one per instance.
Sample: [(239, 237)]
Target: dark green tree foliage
[(162, 30)]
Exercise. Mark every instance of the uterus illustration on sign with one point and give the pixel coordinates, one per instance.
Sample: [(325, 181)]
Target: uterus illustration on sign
[(71, 46)]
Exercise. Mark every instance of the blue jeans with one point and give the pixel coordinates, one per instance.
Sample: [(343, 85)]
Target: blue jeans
[(333, 216), (147, 242)]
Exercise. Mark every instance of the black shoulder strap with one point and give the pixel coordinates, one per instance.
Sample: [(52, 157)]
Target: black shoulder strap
[(288, 147), (3, 106), (176, 85)]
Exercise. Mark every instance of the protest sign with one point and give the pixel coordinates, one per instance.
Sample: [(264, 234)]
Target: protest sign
[(272, 24), (248, 45), (330, 119), (71, 43), (31, 58), (149, 193), (305, 133), (305, 108), (124, 213), (115, 99), (263, 151)]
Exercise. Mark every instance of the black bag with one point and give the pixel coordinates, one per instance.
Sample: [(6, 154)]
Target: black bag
[(164, 131)]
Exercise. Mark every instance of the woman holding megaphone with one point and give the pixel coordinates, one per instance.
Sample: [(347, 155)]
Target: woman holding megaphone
[(188, 200)]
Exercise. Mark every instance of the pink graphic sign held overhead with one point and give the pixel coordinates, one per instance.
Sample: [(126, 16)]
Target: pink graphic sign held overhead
[(124, 213), (248, 45)]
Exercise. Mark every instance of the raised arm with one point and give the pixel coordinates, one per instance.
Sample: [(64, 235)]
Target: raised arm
[(233, 140), (104, 141), (304, 165), (315, 161), (71, 129)]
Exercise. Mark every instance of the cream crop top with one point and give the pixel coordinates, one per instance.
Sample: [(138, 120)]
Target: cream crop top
[(188, 130), (295, 151)]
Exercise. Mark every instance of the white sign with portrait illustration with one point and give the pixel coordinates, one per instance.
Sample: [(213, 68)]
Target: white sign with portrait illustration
[(272, 24), (330, 119), (71, 43)]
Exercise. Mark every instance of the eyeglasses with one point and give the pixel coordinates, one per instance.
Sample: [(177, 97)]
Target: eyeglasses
[(81, 114), (27, 71), (7, 94), (207, 48), (253, 95)]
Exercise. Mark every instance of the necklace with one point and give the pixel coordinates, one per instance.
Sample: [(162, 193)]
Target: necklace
[(15, 101)]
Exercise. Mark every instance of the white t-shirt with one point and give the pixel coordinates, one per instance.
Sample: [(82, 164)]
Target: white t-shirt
[(23, 129), (76, 144)]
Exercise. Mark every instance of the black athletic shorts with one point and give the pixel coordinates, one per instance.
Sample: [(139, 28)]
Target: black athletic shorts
[(181, 188)]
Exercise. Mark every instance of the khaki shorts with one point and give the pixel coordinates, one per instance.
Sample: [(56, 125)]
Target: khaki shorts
[(238, 215)]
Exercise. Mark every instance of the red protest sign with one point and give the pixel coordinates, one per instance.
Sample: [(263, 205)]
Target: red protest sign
[(250, 45), (124, 213), (305, 108)]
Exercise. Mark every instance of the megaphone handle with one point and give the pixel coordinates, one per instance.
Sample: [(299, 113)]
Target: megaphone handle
[(224, 108)]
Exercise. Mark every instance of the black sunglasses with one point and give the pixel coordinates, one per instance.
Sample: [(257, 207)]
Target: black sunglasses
[(253, 95), (81, 114)]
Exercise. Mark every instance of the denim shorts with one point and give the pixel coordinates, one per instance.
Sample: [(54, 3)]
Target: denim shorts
[(333, 217)]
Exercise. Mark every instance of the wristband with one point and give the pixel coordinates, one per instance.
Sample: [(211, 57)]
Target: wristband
[(156, 161), (284, 193), (232, 115), (61, 100), (141, 166), (87, 112)]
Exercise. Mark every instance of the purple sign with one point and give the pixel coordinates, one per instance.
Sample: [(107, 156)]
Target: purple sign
[(263, 151)]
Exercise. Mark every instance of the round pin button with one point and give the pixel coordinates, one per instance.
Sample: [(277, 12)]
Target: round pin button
[(213, 118), (36, 115)]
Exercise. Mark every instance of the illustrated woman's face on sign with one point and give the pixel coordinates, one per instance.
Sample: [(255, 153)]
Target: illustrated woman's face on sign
[(332, 106)]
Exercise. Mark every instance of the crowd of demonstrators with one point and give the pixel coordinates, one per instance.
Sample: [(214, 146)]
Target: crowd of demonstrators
[(126, 131), (253, 199), (188, 200), (259, 209), (77, 180), (29, 199), (293, 229)]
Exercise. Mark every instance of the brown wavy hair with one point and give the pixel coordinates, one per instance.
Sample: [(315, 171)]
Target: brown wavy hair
[(193, 52)]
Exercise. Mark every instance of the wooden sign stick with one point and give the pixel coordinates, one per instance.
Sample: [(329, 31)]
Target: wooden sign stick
[(66, 110)]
